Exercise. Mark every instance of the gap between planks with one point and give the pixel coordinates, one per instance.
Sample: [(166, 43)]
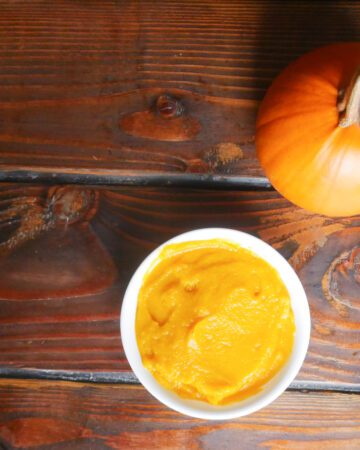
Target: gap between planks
[(205, 181), (130, 378)]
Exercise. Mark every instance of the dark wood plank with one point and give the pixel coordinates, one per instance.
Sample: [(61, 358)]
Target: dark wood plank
[(55, 415), (67, 253), (80, 80)]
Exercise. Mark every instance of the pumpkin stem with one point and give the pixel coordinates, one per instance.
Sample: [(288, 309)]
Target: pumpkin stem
[(349, 104)]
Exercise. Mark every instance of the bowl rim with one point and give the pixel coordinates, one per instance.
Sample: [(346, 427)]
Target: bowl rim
[(276, 385)]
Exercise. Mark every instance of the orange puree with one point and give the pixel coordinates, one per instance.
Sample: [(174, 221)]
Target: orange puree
[(214, 321)]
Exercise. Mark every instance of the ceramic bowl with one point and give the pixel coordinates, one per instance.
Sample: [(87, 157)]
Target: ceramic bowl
[(273, 388)]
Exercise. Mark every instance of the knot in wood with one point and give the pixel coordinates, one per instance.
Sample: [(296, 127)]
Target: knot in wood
[(169, 107), (68, 205), (341, 282)]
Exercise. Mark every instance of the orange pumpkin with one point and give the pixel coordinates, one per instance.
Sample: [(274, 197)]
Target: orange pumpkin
[(308, 131)]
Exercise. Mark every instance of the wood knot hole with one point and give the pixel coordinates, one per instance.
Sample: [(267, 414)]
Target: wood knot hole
[(169, 107)]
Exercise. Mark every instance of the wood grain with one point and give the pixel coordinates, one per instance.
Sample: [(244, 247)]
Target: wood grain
[(73, 73), (55, 415), (67, 254)]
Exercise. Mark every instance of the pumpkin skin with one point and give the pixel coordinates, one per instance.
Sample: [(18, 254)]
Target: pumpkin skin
[(307, 156)]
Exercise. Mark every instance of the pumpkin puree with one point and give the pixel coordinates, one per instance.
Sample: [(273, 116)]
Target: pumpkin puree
[(214, 321)]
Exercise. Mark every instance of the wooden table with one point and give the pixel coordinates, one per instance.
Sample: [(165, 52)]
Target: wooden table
[(123, 123)]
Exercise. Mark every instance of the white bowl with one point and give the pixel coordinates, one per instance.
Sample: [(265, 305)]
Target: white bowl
[(273, 388)]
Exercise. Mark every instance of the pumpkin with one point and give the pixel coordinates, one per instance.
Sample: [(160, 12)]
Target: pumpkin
[(308, 131)]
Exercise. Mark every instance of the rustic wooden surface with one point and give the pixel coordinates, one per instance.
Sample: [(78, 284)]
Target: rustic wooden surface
[(67, 254), (80, 80), (153, 92), (52, 415)]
